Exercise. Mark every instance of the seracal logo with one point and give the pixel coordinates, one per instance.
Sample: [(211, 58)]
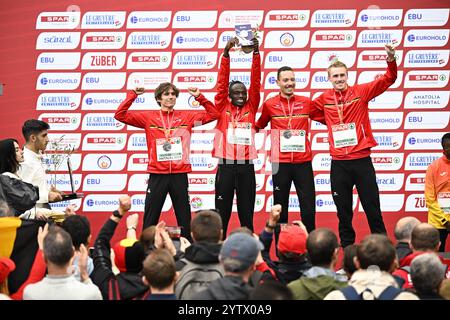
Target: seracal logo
[(196, 203), (104, 162), (287, 39), (193, 103)]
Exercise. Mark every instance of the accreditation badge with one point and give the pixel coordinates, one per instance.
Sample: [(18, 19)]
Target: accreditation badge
[(344, 135), (292, 140), (444, 201), (240, 133), (169, 149)]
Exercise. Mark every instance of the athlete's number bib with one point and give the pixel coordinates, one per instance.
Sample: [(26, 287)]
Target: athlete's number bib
[(444, 201), (167, 150), (292, 140), (344, 135), (242, 134)]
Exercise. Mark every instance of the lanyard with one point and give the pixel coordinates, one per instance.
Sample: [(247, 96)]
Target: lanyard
[(340, 108), (290, 110), (169, 124)]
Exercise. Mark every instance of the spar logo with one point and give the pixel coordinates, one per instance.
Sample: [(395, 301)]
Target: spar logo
[(140, 160), (287, 17), (147, 58), (384, 160), (60, 120), (103, 39), (58, 18), (427, 77), (198, 181), (195, 79), (196, 203), (104, 162), (333, 37), (105, 140)]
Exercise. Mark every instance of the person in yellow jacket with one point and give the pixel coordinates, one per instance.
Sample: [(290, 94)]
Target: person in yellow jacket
[(437, 192)]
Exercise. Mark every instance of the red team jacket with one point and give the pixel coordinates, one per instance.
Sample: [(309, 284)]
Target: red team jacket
[(181, 126), (277, 110), (355, 101), (246, 114)]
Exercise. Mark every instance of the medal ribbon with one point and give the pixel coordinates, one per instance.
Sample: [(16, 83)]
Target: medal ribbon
[(169, 124), (290, 110), (340, 108)]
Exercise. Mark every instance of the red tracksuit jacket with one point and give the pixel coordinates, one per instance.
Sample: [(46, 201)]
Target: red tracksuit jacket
[(181, 126), (278, 110), (245, 115), (355, 102)]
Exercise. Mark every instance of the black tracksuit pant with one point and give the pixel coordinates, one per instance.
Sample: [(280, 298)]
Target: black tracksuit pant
[(176, 184), (302, 176), (344, 175), (236, 175)]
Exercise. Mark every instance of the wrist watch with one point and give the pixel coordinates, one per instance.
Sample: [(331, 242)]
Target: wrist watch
[(117, 214)]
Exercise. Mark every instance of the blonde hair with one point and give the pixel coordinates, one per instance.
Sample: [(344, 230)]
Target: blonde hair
[(336, 64)]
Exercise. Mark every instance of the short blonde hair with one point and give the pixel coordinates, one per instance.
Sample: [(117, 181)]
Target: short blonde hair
[(336, 64)]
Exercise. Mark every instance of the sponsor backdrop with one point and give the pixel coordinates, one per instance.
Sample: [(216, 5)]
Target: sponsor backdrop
[(70, 65)]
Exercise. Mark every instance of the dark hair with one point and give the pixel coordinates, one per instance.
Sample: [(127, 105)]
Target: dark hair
[(33, 126), (321, 244), (159, 268), (376, 250), (8, 159), (347, 262), (206, 226), (271, 290), (444, 138), (163, 88), (79, 229), (58, 248), (147, 238), (285, 68), (232, 83), (424, 237)]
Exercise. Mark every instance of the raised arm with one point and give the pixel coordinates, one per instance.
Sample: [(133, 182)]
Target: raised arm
[(132, 118), (224, 76), (380, 85), (264, 118), (254, 95)]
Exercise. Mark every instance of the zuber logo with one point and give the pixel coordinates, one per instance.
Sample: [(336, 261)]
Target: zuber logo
[(423, 77), (284, 17), (55, 19), (327, 37)]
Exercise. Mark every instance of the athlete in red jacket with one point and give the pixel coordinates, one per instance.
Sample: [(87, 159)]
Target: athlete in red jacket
[(289, 116), (234, 140), (168, 134), (350, 138)]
